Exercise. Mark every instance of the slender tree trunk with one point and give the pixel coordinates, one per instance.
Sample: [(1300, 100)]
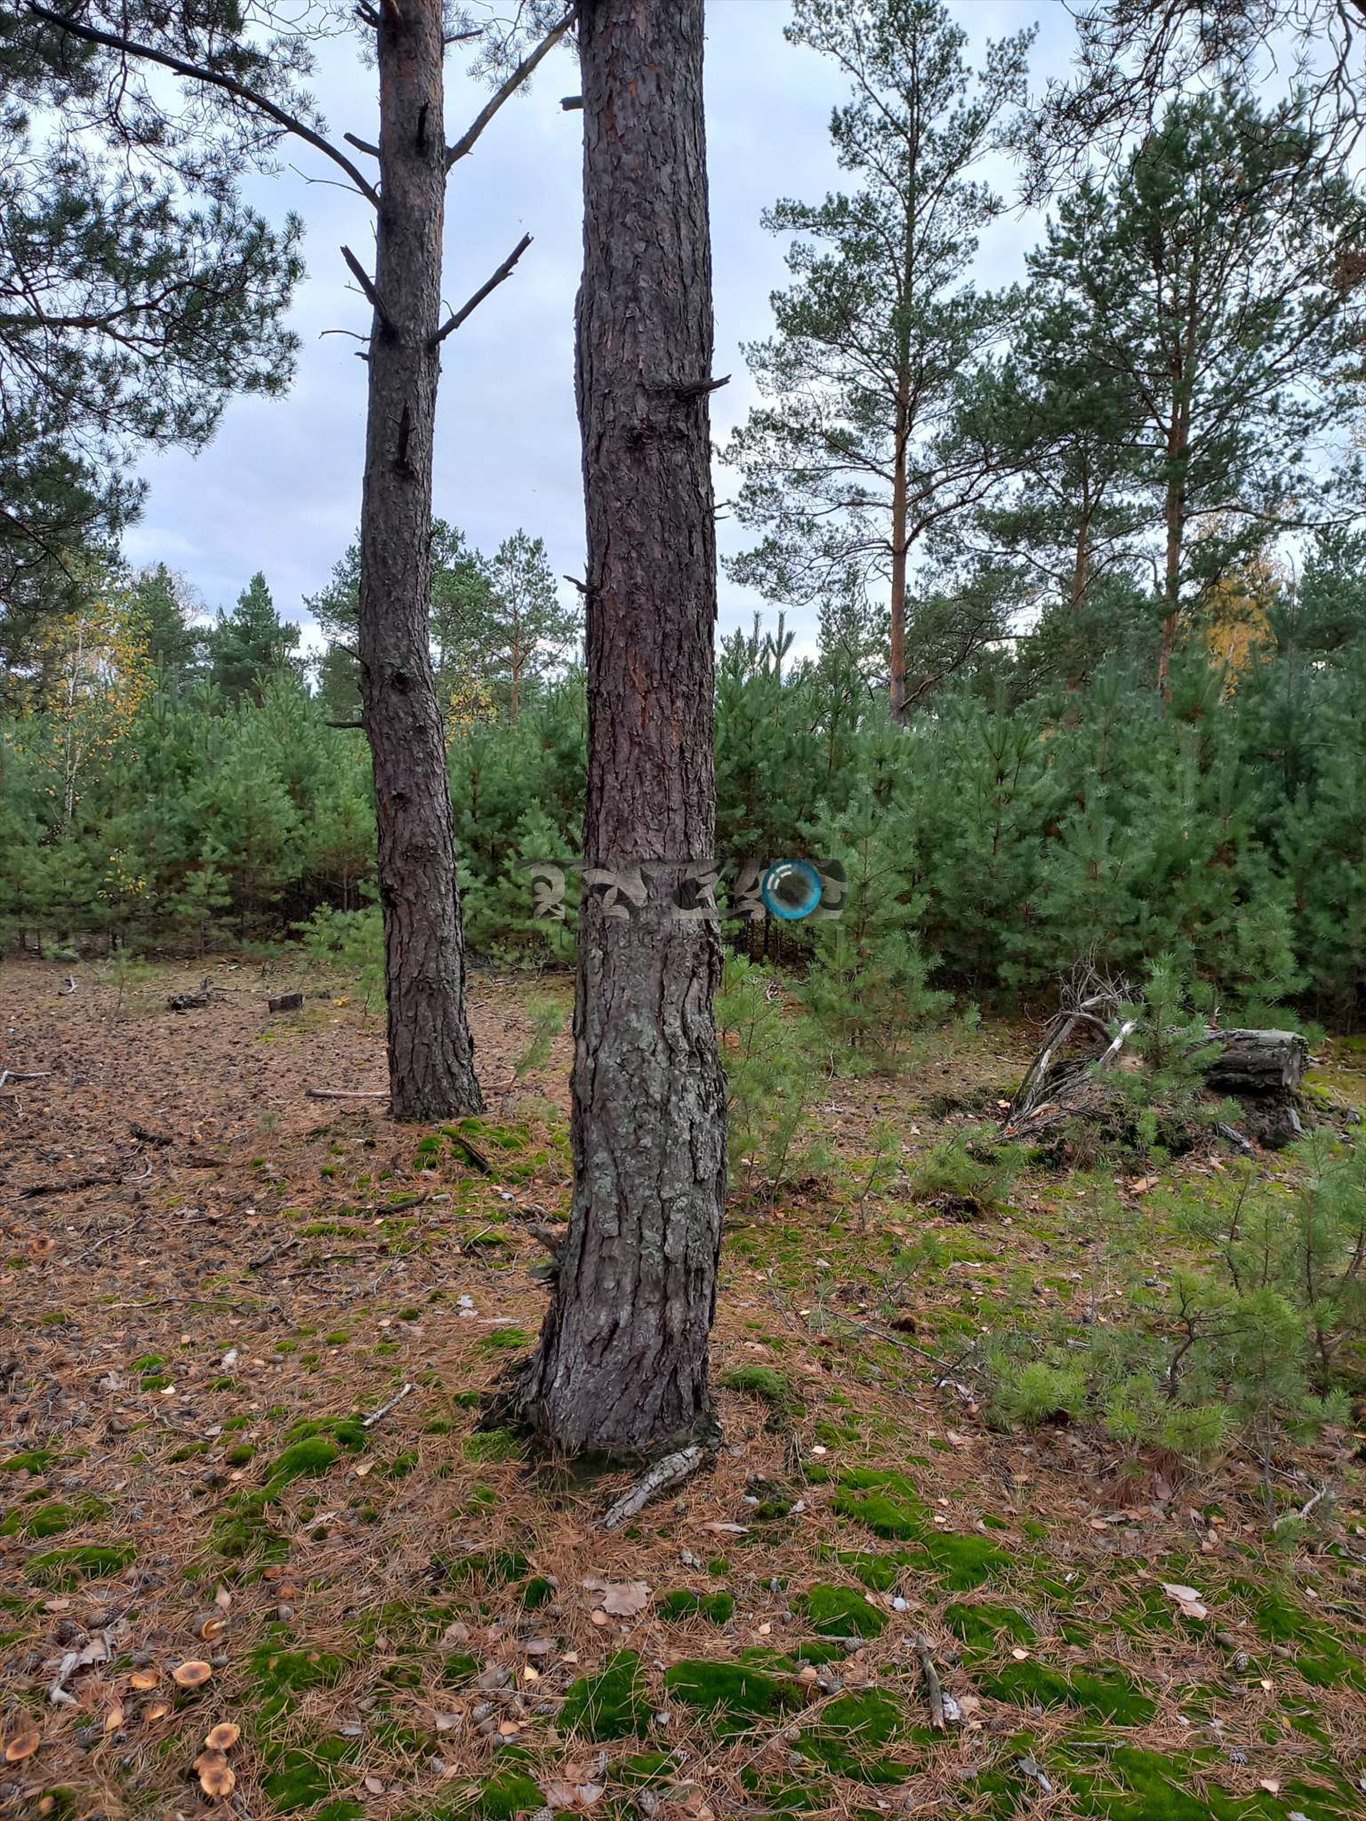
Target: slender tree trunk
[(431, 1057), (899, 567), (622, 1364), (1171, 585)]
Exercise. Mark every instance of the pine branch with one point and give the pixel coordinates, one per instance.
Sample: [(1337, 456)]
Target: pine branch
[(468, 140), (195, 72)]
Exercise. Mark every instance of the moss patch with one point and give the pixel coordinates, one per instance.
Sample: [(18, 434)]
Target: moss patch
[(684, 1603), (290, 1672), (303, 1775), (982, 1628), (962, 1562), (610, 1704), (1102, 1694), (90, 1562), (888, 1503), (852, 1734), (483, 1568), (51, 1519), (733, 1693), (842, 1611)]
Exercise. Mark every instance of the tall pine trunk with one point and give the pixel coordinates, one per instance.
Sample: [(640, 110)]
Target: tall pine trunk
[(899, 554), (431, 1057), (622, 1364)]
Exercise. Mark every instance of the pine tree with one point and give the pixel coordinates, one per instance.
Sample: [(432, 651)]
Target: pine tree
[(866, 986), (250, 645), (530, 630), (850, 461), (1209, 278), (175, 645)]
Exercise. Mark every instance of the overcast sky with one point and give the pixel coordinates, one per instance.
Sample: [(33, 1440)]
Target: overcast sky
[(279, 488)]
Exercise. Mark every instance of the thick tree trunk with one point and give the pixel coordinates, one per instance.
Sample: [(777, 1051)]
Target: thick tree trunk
[(431, 1058), (621, 1368)]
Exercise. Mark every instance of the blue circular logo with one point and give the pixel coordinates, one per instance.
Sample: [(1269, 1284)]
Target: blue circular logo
[(791, 890)]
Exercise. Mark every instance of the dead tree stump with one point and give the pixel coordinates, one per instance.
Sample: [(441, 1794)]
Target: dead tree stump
[(1264, 1071)]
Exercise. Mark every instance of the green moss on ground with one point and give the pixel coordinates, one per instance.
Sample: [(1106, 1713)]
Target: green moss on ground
[(851, 1734), (51, 1519), (87, 1562), (962, 1562), (483, 1568), (982, 1628), (887, 1502), (735, 1695), (301, 1776), (493, 1445), (32, 1460), (684, 1603), (1102, 1694), (291, 1672), (610, 1704), (842, 1611)]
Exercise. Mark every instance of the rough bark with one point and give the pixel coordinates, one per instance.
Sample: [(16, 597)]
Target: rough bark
[(431, 1057), (621, 1368), (1259, 1062)]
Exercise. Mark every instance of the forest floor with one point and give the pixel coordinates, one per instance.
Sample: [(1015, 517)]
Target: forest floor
[(245, 1334)]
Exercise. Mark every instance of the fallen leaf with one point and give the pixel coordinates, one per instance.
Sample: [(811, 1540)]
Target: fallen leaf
[(113, 1720), (216, 1777), (559, 1795), (727, 1529), (1270, 1785), (193, 1674), (374, 1785), (22, 1742), (1188, 1601), (1019, 1655), (223, 1736), (622, 1599)]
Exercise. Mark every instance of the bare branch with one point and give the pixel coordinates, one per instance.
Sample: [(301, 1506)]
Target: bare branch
[(367, 284), (468, 309), (361, 145), (468, 140), (195, 72)]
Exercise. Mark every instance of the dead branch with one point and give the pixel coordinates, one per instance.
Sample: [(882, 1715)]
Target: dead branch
[(468, 308), (347, 1093), (367, 285), (934, 1692), (669, 1471), (368, 1422), (472, 1152)]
